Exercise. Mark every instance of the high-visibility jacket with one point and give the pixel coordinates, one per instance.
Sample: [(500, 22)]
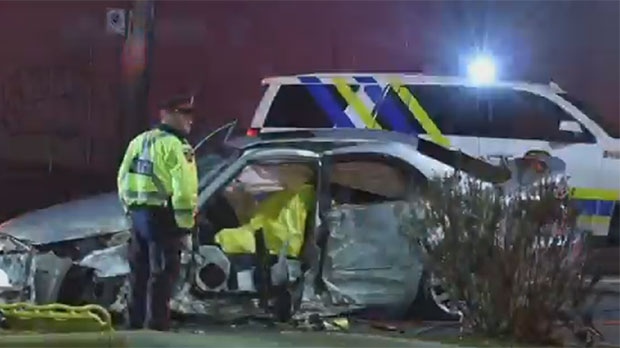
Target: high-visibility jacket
[(159, 169)]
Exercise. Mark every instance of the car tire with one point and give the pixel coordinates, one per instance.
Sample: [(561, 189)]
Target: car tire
[(283, 305), (73, 286), (613, 235), (431, 302)]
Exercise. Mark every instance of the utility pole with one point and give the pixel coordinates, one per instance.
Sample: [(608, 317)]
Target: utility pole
[(136, 66)]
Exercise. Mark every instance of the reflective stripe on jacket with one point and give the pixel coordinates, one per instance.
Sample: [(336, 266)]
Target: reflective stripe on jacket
[(158, 169)]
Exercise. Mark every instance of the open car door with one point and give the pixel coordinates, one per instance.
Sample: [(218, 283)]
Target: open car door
[(212, 154), (216, 138)]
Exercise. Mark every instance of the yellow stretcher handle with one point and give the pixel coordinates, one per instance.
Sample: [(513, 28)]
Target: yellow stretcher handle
[(56, 317)]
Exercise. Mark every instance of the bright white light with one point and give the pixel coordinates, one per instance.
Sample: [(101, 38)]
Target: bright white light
[(4, 279), (481, 70)]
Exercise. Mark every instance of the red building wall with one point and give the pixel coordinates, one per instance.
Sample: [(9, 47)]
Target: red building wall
[(59, 88), (60, 70)]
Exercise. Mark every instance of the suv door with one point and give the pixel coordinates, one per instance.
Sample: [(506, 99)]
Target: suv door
[(522, 123)]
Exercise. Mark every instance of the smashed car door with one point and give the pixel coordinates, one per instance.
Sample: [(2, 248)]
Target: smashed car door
[(271, 194), (367, 260)]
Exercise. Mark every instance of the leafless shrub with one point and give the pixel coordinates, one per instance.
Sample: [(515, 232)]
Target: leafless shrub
[(515, 262)]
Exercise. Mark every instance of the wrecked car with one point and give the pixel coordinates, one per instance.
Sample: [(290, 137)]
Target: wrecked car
[(289, 222)]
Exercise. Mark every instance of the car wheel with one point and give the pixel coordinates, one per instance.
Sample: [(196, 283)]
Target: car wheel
[(283, 305), (73, 287), (431, 302), (82, 287)]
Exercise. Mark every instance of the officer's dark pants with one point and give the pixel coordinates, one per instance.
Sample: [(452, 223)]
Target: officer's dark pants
[(154, 260)]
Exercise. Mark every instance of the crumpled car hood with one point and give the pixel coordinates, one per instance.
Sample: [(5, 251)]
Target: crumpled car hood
[(97, 215)]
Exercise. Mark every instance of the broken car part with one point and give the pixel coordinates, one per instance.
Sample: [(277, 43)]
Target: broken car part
[(81, 245)]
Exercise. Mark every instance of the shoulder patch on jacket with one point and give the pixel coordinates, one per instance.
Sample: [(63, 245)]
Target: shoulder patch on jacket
[(189, 154)]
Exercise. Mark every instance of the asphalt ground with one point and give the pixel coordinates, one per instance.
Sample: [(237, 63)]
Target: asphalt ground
[(265, 334), (604, 259), (215, 338)]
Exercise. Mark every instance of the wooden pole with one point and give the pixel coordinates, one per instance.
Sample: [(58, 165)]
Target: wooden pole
[(136, 66)]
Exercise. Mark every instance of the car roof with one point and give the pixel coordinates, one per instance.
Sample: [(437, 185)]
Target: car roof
[(324, 135), (410, 78), (399, 141)]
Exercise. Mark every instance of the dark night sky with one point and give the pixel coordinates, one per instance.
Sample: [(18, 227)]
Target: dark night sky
[(574, 43)]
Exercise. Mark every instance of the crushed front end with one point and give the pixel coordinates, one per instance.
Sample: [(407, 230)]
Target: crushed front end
[(17, 269)]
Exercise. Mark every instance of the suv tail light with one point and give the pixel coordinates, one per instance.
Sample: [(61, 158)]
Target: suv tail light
[(252, 132)]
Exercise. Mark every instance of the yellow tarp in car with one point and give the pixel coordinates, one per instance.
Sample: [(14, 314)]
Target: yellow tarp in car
[(282, 216)]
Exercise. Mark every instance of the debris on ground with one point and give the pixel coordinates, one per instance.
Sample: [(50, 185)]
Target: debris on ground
[(315, 322)]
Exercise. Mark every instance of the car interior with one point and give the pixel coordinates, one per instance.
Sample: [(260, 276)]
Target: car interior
[(354, 182), (252, 219)]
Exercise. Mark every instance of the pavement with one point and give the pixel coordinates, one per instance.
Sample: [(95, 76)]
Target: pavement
[(607, 312), (414, 334), (153, 339), (604, 260)]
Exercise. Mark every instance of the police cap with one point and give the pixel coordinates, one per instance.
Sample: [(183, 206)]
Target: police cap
[(183, 102)]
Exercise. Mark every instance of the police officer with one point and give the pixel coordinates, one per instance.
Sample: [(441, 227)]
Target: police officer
[(157, 185)]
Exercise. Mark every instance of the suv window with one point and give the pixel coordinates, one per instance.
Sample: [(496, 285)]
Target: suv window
[(295, 107), (611, 128), (456, 110), (523, 115), (390, 112)]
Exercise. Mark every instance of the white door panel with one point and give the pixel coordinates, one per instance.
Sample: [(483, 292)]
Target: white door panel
[(583, 163)]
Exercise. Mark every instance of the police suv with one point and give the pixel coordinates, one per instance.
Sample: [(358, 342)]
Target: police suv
[(497, 122)]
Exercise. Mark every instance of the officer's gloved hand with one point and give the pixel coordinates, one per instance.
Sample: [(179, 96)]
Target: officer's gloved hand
[(186, 242)]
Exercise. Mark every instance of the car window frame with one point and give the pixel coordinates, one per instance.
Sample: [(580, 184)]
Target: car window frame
[(592, 114), (410, 173), (557, 136), (248, 157), (418, 91), (286, 119)]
